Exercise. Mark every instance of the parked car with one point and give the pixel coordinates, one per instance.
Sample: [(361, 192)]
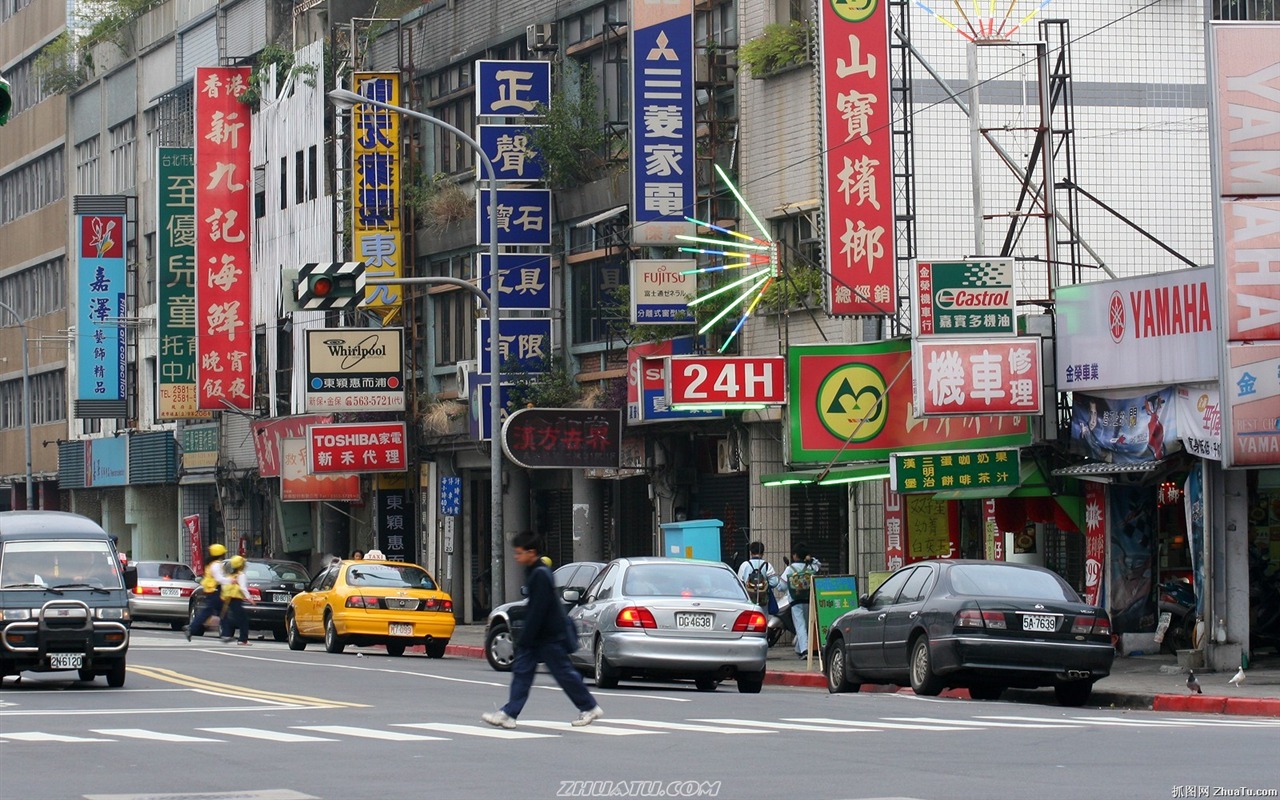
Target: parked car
[(272, 583), (362, 603), (981, 625), (669, 618), (163, 593), (499, 646)]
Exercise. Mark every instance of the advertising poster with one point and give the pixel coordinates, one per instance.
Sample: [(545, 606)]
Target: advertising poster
[(1095, 541), (834, 594), (1133, 551), (933, 527), (1126, 430), (192, 525)]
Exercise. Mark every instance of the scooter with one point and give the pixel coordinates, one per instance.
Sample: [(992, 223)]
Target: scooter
[(1178, 600), (780, 623)]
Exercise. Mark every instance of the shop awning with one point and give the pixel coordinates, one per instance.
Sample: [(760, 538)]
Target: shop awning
[(1031, 484), (834, 476), (1102, 468)]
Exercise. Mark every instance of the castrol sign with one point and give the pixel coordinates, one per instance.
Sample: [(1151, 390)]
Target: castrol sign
[(964, 298)]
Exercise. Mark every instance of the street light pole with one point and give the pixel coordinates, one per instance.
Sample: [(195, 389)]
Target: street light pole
[(347, 98), (26, 402)]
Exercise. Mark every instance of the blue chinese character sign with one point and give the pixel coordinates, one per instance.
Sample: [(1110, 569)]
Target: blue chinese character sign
[(525, 280), (524, 216), (451, 496), (662, 121), (525, 344), (480, 420), (103, 303), (512, 88), (511, 151)]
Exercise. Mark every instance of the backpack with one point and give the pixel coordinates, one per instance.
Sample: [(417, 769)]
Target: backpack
[(798, 583), (758, 582)]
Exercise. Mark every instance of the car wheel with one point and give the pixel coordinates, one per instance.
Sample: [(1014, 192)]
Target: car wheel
[(177, 626), (115, 676), (435, 648), (773, 635), (87, 675), (296, 642), (923, 681), (837, 675), (986, 691), (395, 648), (706, 683), (499, 649), (1073, 693), (281, 634), (332, 642), (606, 674), (750, 682)]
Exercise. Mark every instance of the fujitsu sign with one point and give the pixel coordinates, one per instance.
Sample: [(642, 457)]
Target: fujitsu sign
[(1152, 330)]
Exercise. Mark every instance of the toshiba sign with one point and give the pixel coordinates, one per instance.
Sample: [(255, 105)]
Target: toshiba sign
[(1156, 329)]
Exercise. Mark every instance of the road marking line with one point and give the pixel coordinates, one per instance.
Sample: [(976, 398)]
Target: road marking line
[(270, 736), (171, 676), (156, 736), (677, 726), (597, 729), (369, 733), (987, 724), (37, 736), (886, 725), (785, 726), (1164, 723), (473, 730)]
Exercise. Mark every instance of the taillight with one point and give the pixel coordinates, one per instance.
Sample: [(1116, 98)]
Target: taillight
[(438, 604), (635, 617), (1098, 626), (976, 618), (362, 601), (1102, 626), (750, 622), (254, 594)]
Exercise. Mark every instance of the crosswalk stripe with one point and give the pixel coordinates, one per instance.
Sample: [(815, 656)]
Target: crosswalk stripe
[(1119, 723), (271, 736), (369, 733), (677, 726), (785, 726), (861, 723), (598, 729), (988, 723), (474, 730), (37, 736), (155, 736)]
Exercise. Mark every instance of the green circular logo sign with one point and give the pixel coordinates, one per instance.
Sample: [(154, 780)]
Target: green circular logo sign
[(854, 10), (849, 403)]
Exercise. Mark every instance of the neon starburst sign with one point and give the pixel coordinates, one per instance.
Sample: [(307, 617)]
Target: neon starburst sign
[(756, 256), (987, 24)]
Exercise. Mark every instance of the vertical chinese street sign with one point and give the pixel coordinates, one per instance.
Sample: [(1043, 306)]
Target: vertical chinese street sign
[(511, 153), (175, 284), (895, 523), (525, 344), (662, 121), (394, 521), (377, 173), (103, 302), (512, 88), (524, 216), (224, 216), (857, 157), (523, 278)]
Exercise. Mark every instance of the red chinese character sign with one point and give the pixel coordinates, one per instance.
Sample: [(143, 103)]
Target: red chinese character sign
[(895, 519), (564, 438), (961, 378), (224, 212), (358, 447), (726, 381), (857, 157), (1095, 540)]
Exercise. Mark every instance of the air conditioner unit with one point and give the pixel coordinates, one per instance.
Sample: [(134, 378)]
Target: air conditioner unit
[(465, 370), (540, 37), (729, 459)]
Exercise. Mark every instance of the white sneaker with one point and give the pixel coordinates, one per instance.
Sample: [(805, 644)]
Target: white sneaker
[(587, 717), (500, 719)]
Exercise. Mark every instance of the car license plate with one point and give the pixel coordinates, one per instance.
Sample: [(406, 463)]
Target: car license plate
[(1039, 622), (697, 622), (66, 660), (171, 593), (279, 597), (401, 629)]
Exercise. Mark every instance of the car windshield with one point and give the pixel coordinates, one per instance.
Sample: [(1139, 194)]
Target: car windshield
[(266, 571), (59, 563), (991, 580), (156, 571), (682, 580), (390, 576)]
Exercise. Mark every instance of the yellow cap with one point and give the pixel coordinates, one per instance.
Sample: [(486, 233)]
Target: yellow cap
[(217, 550), (237, 562)]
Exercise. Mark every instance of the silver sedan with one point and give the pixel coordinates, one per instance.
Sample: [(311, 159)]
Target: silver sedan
[(670, 618)]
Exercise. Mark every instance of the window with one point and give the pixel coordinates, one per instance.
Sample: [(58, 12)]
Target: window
[(37, 290), (299, 177), (797, 237), (48, 400), (596, 314), (999, 580), (31, 186), (888, 590), (10, 7), (151, 122), (450, 98), (787, 11), (25, 87), (122, 157), (313, 181), (87, 177), (918, 586), (284, 182)]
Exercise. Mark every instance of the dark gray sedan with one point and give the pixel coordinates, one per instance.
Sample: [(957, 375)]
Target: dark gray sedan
[(980, 625), (504, 621), (670, 618)]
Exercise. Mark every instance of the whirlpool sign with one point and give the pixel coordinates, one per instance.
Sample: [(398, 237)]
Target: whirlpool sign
[(355, 369)]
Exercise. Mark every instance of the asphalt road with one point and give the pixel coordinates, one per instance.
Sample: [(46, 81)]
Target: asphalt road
[(265, 723)]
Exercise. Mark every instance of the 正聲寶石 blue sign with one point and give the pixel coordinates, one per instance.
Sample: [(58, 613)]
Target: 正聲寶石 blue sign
[(524, 216), (512, 88), (523, 344), (511, 152), (524, 279)]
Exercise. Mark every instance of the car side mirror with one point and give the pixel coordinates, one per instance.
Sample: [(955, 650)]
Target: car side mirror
[(571, 596), (130, 578), (864, 601)]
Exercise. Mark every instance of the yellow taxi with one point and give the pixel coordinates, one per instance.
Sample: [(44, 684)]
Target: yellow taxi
[(369, 602)]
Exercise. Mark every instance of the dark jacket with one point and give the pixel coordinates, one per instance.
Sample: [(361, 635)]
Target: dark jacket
[(544, 614)]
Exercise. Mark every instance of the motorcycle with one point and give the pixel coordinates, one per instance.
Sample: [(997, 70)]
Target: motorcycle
[(1178, 600), (780, 623)]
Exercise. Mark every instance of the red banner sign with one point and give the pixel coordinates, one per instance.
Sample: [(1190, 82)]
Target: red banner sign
[(192, 525), (1095, 540), (895, 518), (857, 157), (267, 436), (726, 381), (358, 447), (224, 213), (989, 376)]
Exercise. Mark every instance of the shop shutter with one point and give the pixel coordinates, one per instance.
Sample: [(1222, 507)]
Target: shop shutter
[(246, 29), (728, 499), (71, 465), (820, 519), (153, 457), (197, 47)]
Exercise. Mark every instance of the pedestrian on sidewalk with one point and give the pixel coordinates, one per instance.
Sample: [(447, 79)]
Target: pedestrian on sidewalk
[(760, 578), (798, 578), (235, 593), (545, 639), (211, 585)]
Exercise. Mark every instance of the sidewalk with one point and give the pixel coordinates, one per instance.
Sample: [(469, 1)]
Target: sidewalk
[(1142, 682)]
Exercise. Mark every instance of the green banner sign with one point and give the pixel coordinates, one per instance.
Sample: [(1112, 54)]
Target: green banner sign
[(965, 298), (834, 594), (175, 284), (964, 469)]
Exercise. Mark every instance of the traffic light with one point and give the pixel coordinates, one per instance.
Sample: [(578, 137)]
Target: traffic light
[(334, 285), (331, 286), (6, 101)]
